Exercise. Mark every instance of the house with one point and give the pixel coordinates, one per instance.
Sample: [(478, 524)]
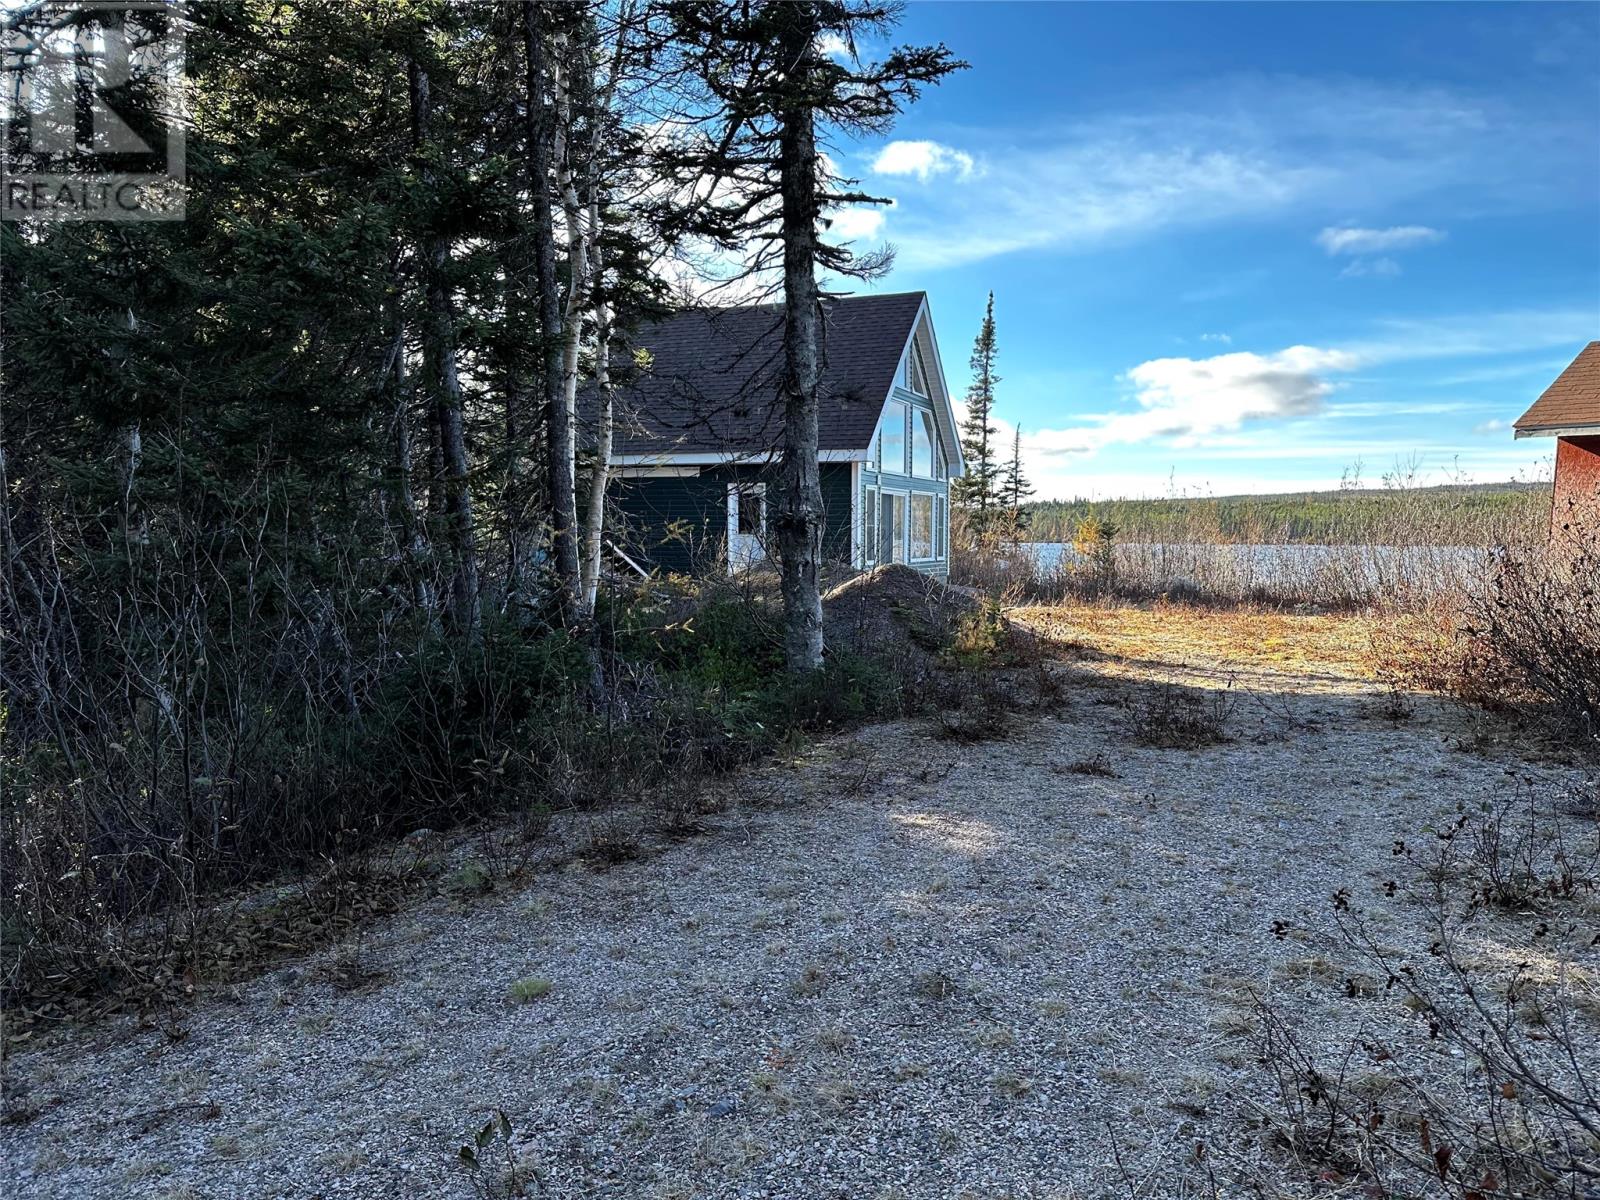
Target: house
[(699, 431), (1569, 411)]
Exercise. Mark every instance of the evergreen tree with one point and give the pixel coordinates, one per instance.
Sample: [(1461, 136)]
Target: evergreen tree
[(1014, 486), (978, 490)]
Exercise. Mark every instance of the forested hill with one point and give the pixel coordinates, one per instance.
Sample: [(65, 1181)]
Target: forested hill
[(1464, 513)]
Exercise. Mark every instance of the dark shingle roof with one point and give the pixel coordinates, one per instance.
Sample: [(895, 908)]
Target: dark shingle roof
[(712, 385), (1572, 400)]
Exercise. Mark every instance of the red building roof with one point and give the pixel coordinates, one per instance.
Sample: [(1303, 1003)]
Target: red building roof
[(1571, 402)]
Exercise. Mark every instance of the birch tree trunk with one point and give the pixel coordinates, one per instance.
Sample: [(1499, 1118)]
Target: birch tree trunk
[(574, 90), (599, 100), (559, 423), (800, 513), (600, 472), (514, 509)]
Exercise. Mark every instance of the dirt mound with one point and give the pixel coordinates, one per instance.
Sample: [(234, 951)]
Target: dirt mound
[(893, 607)]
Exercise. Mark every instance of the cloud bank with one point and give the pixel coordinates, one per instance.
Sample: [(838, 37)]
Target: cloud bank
[(1188, 399)]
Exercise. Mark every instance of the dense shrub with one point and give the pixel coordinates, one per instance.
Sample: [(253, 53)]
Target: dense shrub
[(1529, 635), (125, 831)]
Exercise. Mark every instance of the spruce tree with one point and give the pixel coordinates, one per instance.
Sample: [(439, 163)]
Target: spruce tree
[(978, 490), (1014, 486)]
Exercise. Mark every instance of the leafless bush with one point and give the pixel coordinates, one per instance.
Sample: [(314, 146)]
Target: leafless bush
[(1173, 717), (972, 709), (1519, 853), (1542, 619), (1434, 648), (1528, 635)]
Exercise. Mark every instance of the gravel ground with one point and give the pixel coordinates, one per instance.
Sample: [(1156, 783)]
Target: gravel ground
[(897, 967)]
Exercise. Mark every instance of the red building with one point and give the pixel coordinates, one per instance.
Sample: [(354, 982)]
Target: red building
[(1569, 411)]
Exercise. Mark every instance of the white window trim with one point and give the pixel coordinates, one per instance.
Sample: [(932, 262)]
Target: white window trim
[(871, 536), (944, 410), (914, 366), (858, 514)]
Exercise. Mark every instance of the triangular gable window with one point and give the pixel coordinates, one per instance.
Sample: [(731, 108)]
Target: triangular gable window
[(916, 371)]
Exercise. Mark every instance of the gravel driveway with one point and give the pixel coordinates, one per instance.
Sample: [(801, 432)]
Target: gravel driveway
[(898, 967)]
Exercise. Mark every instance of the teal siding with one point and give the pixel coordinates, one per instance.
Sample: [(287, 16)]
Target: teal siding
[(675, 523), (680, 523), (836, 503)]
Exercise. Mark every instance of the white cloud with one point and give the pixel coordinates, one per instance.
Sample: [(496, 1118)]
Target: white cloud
[(923, 159), (1081, 195), (1188, 399), (1493, 425), (1514, 331), (834, 46), (1224, 338), (1385, 268), (1348, 239), (856, 223)]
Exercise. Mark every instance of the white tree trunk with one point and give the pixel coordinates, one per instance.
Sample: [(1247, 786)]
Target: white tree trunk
[(600, 472), (561, 444), (572, 75)]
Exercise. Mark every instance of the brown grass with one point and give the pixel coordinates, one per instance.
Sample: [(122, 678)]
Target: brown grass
[(1313, 643)]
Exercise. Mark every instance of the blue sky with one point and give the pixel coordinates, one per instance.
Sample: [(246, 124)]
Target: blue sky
[(1243, 247)]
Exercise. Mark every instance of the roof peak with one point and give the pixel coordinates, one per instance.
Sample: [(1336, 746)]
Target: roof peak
[(1572, 401)]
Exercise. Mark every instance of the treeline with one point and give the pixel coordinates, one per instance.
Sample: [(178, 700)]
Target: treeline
[(303, 497), (1466, 515)]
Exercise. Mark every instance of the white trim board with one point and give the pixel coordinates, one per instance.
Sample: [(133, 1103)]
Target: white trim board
[(655, 472), (714, 459), (1561, 431)]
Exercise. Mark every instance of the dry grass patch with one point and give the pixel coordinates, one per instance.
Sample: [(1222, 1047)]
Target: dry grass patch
[(1302, 643)]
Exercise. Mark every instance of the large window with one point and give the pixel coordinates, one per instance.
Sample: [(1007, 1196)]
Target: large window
[(892, 438), (939, 532), (922, 443), (921, 526)]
